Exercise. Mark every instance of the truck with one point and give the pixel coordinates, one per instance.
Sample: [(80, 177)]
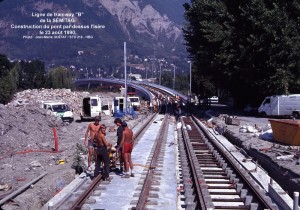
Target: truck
[(281, 105), (93, 106), (58, 109), (135, 102), (119, 106)]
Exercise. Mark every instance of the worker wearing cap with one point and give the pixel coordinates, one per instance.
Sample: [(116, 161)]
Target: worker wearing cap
[(90, 135)]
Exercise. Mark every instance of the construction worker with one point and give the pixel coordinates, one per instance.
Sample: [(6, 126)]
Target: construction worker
[(102, 153), (127, 146), (120, 129), (92, 129)]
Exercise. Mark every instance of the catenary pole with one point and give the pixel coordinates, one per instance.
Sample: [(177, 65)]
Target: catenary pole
[(125, 73)]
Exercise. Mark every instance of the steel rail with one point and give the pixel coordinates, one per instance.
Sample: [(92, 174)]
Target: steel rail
[(85, 195), (97, 180), (139, 131), (199, 195), (142, 201), (18, 191), (259, 193)]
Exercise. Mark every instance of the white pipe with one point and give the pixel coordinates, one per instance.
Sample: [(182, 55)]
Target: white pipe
[(13, 194)]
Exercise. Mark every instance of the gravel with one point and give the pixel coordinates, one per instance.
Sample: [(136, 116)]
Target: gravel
[(271, 155)]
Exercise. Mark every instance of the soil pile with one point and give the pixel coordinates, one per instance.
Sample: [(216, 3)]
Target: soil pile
[(36, 96), (27, 146)]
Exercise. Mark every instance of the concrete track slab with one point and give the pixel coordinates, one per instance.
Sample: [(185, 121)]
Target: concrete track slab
[(256, 172), (120, 192)]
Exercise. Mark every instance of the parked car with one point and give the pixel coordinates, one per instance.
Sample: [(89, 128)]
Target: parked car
[(58, 109), (214, 99)]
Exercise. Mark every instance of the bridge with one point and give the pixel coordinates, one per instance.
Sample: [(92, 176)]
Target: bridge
[(141, 88)]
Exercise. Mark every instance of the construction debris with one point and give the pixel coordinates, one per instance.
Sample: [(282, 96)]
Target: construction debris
[(34, 96), (28, 145)]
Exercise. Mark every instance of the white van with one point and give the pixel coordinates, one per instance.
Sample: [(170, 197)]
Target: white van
[(119, 105), (281, 105), (135, 102), (93, 106), (59, 109), (135, 77)]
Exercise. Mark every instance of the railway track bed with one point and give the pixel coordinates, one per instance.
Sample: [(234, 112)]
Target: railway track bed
[(191, 175), (221, 176)]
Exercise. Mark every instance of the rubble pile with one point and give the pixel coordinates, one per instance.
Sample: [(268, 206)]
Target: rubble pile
[(24, 128), (35, 96), (25, 125), (27, 144)]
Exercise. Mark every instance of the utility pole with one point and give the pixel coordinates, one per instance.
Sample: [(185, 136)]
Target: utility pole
[(174, 77), (160, 73), (125, 73), (190, 62)]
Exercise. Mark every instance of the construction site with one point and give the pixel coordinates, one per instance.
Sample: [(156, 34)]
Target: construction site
[(39, 151)]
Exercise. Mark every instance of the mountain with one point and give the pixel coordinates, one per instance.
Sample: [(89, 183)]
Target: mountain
[(90, 33)]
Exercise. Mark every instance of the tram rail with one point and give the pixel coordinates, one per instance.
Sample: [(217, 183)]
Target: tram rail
[(80, 195), (212, 177), (142, 202)]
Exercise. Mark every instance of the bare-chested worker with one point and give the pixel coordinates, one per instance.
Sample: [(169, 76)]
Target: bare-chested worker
[(90, 135), (102, 153), (127, 146)]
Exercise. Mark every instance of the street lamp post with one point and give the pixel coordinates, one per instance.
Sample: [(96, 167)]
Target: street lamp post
[(146, 74), (160, 74), (190, 62), (174, 77), (146, 67)]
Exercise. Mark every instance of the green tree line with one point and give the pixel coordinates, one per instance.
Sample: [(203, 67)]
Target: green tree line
[(245, 48), (22, 75)]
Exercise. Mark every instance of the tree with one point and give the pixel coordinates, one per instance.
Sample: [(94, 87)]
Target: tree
[(32, 74), (244, 46), (59, 78), (7, 82)]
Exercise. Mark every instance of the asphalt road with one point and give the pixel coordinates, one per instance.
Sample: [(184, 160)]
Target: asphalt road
[(250, 118)]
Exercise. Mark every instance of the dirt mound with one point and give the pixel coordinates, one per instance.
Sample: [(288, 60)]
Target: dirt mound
[(25, 128), (27, 146), (35, 96)]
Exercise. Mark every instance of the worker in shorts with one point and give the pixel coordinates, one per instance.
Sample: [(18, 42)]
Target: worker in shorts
[(120, 129), (89, 137), (127, 146), (102, 153)]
